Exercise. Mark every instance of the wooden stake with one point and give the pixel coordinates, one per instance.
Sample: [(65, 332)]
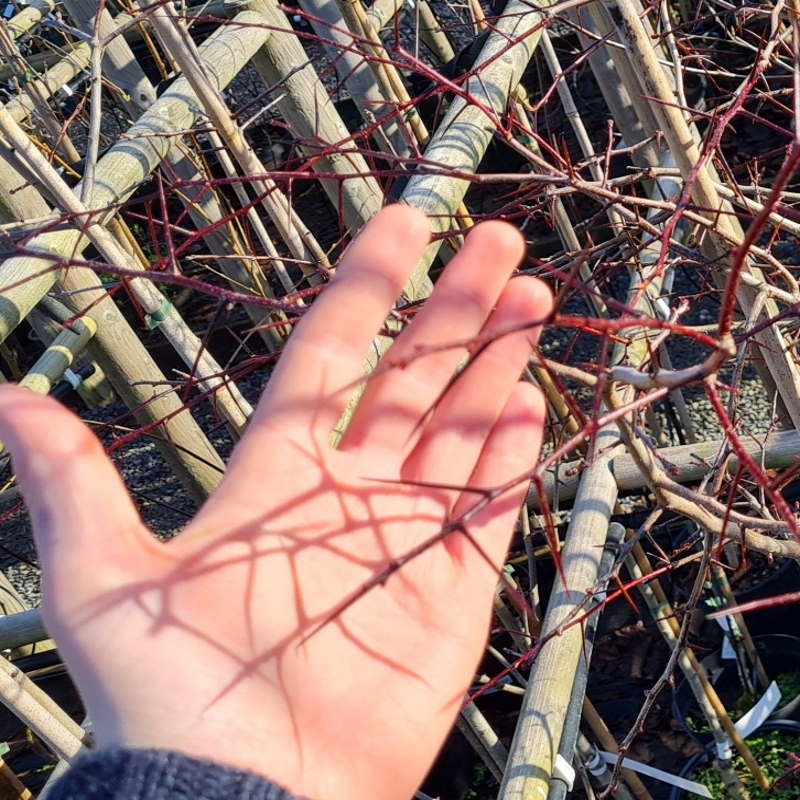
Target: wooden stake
[(225, 395)]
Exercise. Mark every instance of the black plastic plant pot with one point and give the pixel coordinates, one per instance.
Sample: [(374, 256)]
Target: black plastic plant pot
[(705, 758), (783, 579), (780, 656)]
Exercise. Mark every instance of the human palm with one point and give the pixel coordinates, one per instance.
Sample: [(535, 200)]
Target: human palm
[(320, 619)]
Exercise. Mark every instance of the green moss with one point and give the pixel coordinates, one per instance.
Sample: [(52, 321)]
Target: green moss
[(789, 684), (481, 782), (774, 753)]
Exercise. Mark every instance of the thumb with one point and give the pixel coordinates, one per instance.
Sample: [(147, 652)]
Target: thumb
[(84, 522)]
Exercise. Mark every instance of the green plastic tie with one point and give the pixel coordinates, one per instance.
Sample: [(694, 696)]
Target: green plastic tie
[(155, 318), (29, 75)]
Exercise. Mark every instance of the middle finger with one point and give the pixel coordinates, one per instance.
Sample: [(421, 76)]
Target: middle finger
[(396, 399)]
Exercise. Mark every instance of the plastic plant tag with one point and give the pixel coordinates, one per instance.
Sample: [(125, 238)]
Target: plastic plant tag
[(759, 713), (726, 623), (728, 653), (659, 774), (596, 766)]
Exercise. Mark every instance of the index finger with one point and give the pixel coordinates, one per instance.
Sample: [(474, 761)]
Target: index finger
[(314, 379)]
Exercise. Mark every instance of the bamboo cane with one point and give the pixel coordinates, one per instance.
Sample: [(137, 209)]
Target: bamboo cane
[(537, 738), (432, 33), (780, 369), (616, 77), (723, 587), (571, 243), (354, 71), (588, 754), (385, 72), (391, 81), (307, 107), (14, 783), (224, 240)]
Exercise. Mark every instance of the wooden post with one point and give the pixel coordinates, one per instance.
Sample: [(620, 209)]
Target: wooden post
[(122, 170), (779, 369), (128, 364), (547, 696), (29, 17), (779, 450), (183, 51), (33, 707), (21, 628), (200, 202), (432, 33), (355, 73), (47, 84), (59, 135), (722, 727), (130, 29)]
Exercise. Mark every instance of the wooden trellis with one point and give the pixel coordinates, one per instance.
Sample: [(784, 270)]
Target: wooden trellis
[(64, 191)]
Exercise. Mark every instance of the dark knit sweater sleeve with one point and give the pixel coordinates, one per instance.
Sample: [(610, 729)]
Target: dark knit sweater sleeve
[(121, 774)]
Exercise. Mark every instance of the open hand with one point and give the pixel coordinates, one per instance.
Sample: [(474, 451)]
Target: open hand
[(249, 639)]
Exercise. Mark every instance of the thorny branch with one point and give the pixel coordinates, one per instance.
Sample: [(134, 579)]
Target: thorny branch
[(577, 160)]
